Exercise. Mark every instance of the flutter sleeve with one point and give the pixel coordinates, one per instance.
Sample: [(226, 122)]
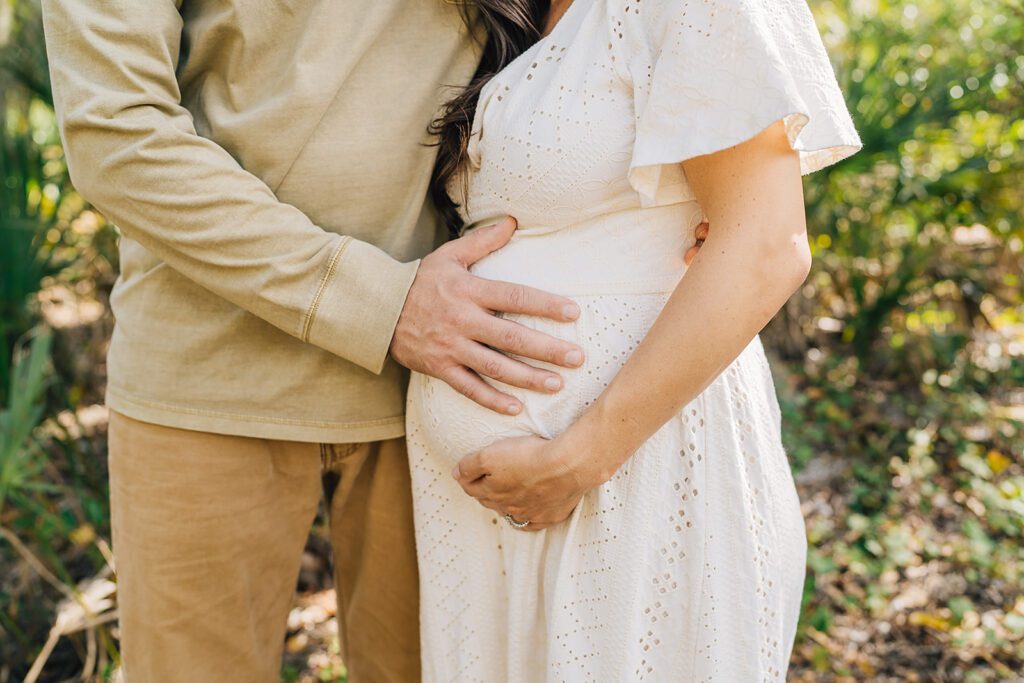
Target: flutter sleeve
[(710, 74)]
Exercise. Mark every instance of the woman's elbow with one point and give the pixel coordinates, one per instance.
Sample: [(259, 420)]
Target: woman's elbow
[(785, 261), (800, 260)]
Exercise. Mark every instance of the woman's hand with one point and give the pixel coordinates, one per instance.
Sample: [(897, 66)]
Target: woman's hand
[(530, 478)]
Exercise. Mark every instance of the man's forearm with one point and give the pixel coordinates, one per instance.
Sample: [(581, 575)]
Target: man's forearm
[(134, 153)]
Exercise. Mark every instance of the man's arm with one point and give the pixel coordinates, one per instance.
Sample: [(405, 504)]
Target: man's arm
[(133, 151)]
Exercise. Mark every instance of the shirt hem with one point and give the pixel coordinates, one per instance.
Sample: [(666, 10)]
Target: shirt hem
[(256, 426)]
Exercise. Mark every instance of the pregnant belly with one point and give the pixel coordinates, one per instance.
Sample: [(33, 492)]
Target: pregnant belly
[(608, 329)]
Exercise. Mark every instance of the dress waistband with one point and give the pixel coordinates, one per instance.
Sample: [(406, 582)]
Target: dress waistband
[(639, 251)]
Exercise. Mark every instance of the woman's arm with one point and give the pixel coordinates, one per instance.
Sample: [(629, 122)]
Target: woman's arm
[(750, 264)]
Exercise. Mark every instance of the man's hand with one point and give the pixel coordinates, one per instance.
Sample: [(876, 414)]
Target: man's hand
[(448, 325), (528, 477), (701, 233)]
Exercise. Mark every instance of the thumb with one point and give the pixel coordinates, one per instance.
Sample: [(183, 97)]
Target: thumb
[(469, 468), (479, 243)]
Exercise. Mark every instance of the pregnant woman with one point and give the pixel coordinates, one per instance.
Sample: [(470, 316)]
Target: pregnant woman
[(640, 524)]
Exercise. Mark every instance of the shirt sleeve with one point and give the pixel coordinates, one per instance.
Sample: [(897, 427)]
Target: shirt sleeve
[(710, 74), (133, 152)]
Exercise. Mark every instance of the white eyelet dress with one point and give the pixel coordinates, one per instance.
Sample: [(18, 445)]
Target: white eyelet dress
[(688, 565)]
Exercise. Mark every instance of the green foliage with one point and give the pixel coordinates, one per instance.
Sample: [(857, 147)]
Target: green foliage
[(28, 209), (21, 459), (22, 49), (935, 89), (52, 481), (33, 178), (908, 342)]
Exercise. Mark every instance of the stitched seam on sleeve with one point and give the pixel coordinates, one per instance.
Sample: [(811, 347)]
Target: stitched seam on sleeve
[(332, 265)]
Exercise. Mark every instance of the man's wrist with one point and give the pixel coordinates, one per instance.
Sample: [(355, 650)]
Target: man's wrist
[(401, 310), (359, 304)]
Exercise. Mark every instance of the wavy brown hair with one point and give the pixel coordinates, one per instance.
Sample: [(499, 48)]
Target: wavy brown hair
[(511, 27)]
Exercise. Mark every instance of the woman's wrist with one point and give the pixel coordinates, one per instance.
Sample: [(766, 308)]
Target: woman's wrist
[(592, 449)]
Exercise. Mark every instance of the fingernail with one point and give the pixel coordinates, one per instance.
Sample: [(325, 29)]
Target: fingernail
[(571, 311), (513, 409), (573, 358), (552, 384), (455, 472)]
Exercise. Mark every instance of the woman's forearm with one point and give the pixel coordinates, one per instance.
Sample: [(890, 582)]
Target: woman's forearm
[(727, 298), (754, 258)]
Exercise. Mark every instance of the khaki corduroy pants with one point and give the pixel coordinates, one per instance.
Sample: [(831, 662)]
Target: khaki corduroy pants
[(208, 533)]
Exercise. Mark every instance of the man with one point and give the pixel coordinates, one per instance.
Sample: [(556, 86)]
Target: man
[(265, 162)]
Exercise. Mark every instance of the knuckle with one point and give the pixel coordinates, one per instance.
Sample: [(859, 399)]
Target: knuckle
[(554, 352), (464, 287), (482, 461), (450, 375), (512, 338), (515, 297), (457, 318), (493, 403), (466, 388), (492, 367)]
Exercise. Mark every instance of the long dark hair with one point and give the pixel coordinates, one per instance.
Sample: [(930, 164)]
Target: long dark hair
[(511, 27)]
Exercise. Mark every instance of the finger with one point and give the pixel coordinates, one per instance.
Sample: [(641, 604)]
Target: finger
[(480, 242), (469, 384), (470, 467), (510, 297), (702, 230), (541, 522), (490, 505), (490, 363), (511, 337), (534, 525), (477, 483)]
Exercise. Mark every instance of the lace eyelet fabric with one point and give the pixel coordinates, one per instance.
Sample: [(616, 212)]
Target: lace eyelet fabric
[(688, 564)]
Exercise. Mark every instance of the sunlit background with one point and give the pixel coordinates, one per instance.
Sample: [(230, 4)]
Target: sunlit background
[(899, 365)]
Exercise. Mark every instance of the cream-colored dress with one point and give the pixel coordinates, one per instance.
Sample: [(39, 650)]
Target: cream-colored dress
[(688, 564)]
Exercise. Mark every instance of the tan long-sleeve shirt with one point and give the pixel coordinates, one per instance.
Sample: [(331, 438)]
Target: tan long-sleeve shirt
[(264, 161)]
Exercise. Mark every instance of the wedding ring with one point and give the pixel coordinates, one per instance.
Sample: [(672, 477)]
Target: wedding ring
[(518, 525)]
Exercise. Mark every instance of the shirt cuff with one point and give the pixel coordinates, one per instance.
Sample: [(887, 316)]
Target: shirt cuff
[(356, 307)]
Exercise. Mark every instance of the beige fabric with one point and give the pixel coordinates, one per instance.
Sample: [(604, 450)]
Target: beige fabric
[(208, 532), (265, 164)]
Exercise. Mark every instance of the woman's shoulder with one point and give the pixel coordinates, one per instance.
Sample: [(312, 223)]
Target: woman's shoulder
[(709, 74), (656, 22)]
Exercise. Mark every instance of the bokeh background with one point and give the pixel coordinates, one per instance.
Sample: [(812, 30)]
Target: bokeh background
[(899, 366)]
